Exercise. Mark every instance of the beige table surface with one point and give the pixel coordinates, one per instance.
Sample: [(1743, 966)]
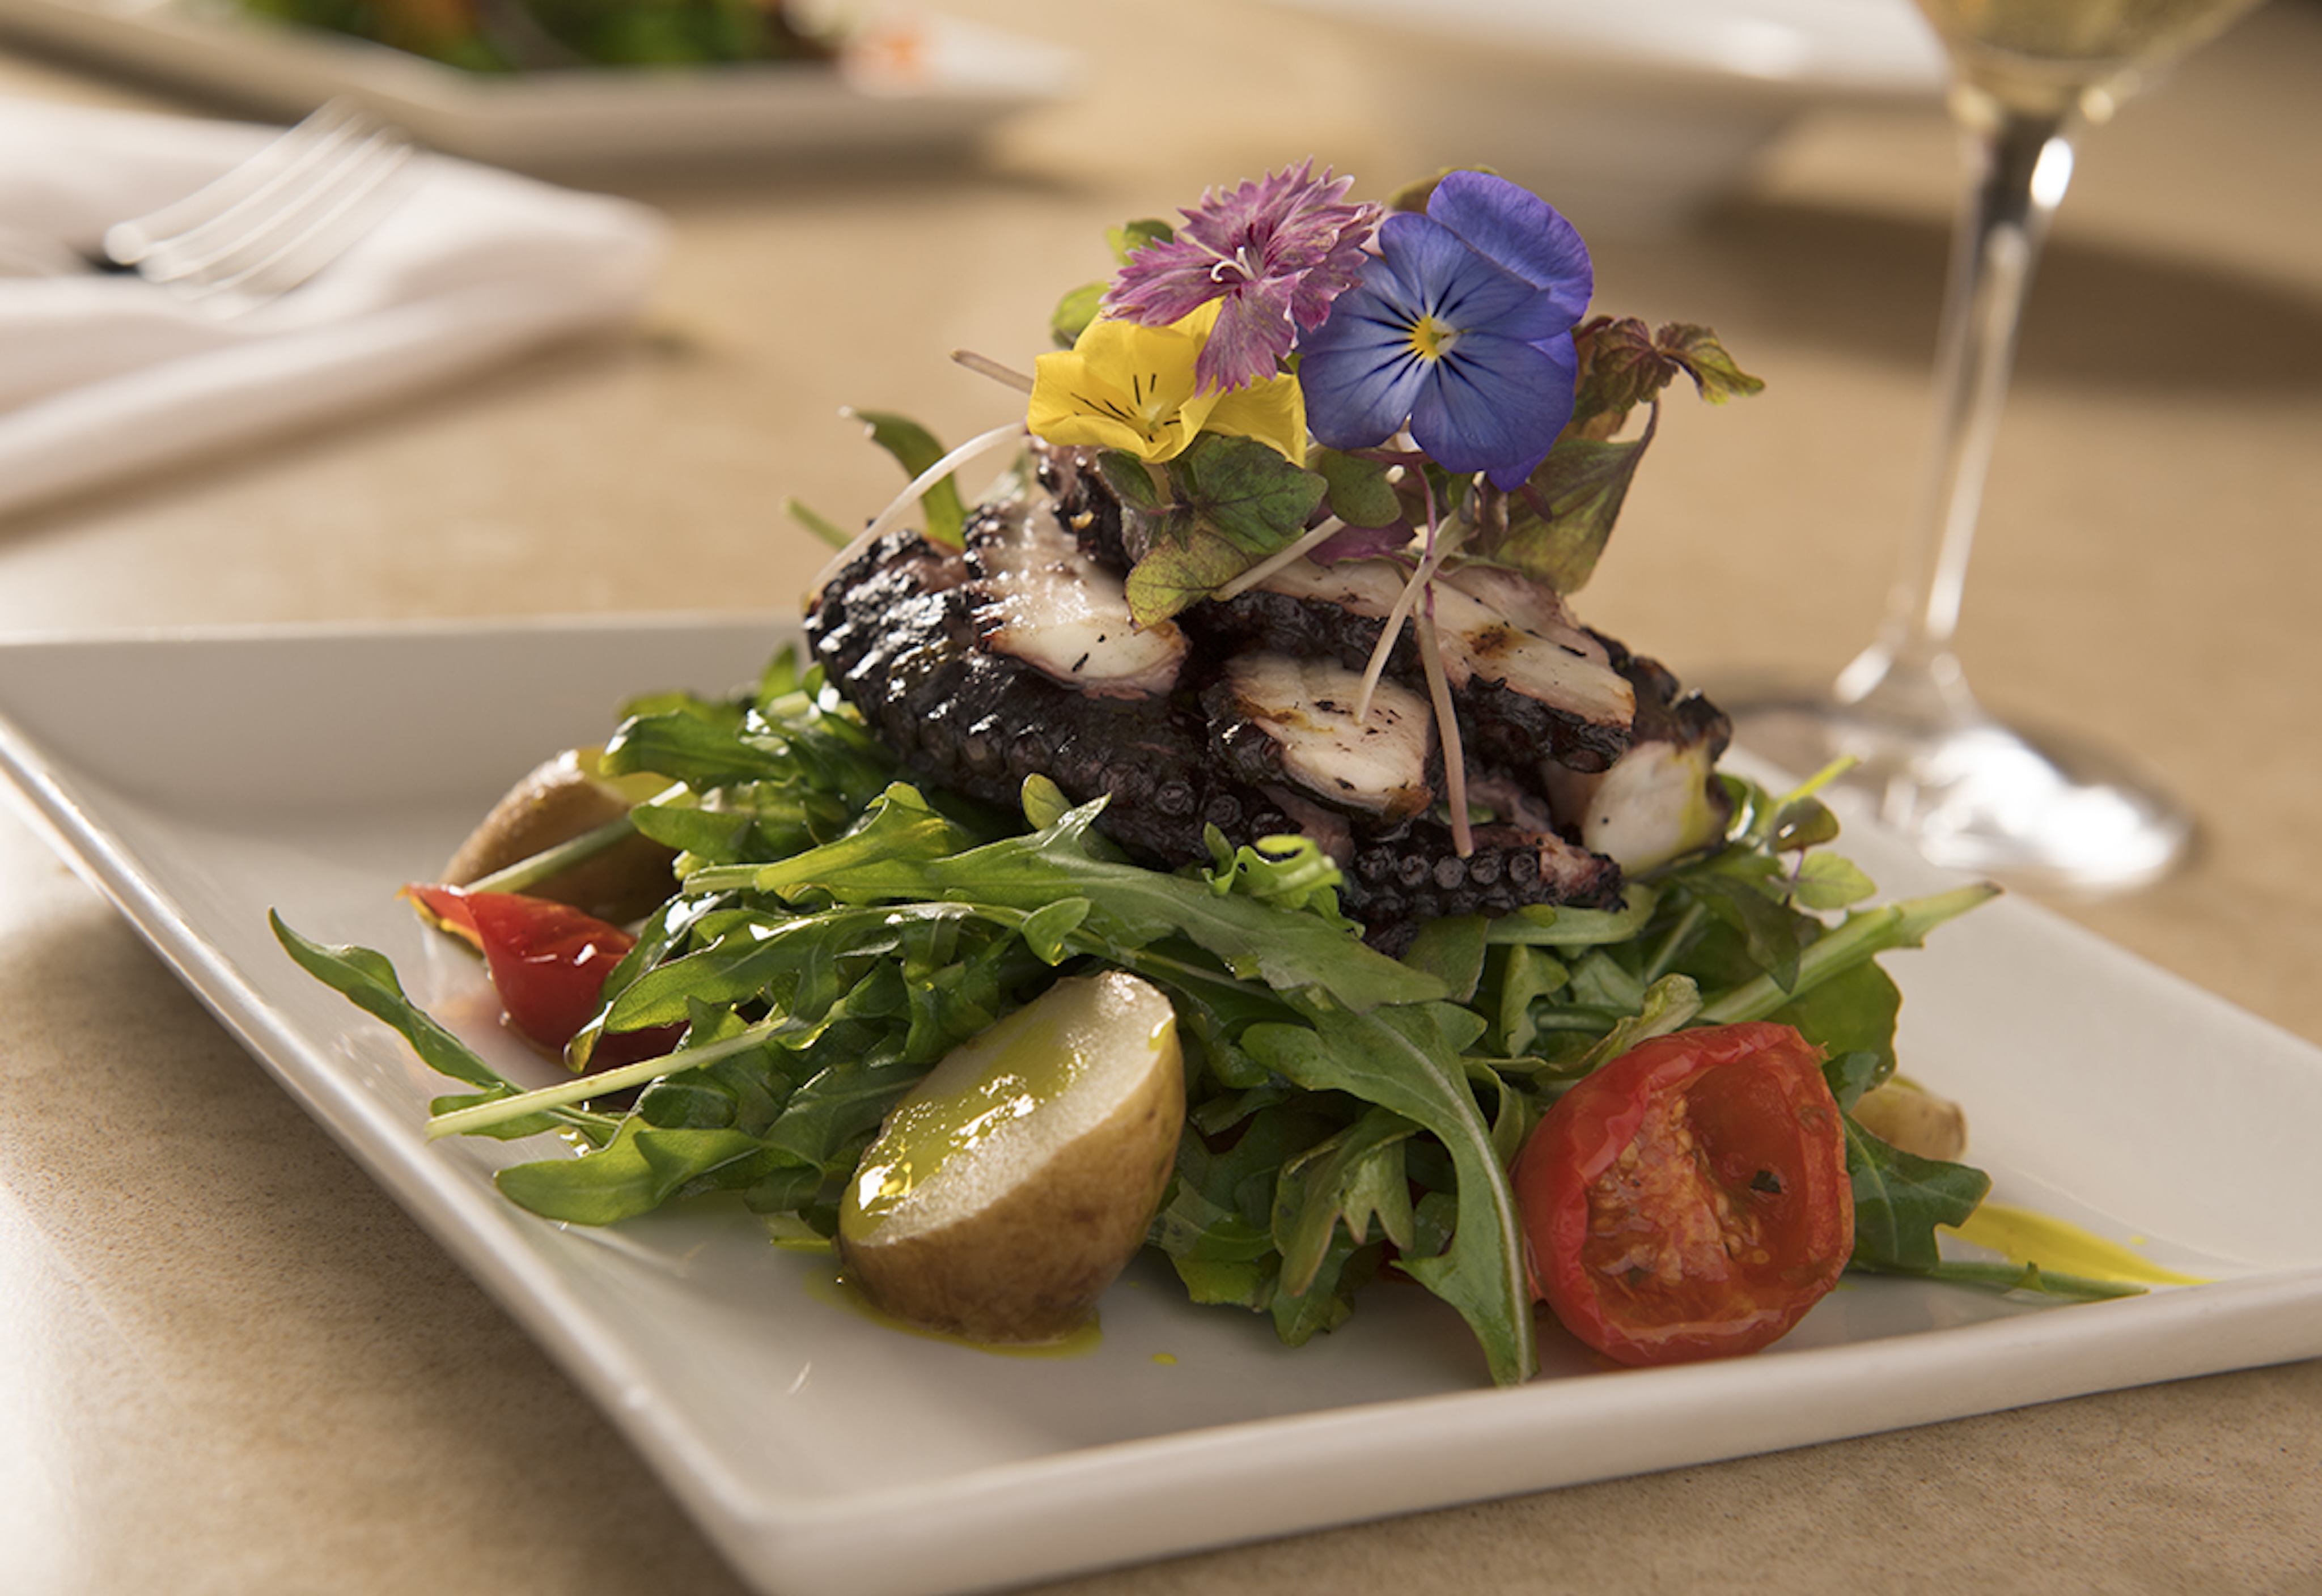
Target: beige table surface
[(228, 1363)]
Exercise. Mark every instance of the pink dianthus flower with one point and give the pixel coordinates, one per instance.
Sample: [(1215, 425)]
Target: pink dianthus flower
[(1276, 251)]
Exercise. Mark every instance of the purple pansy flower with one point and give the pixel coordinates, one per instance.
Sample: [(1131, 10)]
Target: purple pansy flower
[(1277, 252), (1461, 329)]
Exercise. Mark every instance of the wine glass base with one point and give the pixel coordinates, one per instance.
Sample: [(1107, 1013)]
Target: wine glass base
[(1979, 797)]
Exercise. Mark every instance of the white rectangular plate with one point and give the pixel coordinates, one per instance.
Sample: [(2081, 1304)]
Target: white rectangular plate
[(956, 80), (201, 779)]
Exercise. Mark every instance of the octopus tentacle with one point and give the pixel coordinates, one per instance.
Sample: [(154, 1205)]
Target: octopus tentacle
[(899, 635), (1243, 724)]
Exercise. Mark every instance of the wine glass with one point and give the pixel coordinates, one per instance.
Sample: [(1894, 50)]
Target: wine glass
[(2029, 76)]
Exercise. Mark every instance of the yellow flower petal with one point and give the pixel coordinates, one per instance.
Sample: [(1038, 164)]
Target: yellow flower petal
[(1272, 412), (1123, 386)]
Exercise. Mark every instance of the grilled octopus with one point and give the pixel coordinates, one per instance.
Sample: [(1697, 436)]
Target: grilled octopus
[(1015, 656)]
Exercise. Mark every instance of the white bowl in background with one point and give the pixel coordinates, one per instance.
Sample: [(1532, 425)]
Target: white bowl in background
[(1628, 115)]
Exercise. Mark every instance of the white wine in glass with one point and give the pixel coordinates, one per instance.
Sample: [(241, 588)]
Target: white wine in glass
[(2054, 52), (2029, 76)]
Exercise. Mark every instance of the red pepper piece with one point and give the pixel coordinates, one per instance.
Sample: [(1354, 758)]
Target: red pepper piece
[(547, 961)]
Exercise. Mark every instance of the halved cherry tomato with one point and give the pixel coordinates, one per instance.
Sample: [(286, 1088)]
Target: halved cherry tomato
[(1690, 1199), (548, 962)]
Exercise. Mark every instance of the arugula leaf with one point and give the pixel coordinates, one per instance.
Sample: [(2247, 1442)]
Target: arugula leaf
[(689, 747), (1525, 978), (1452, 949), (642, 1169), (904, 850), (1341, 1185), (1406, 1059), (915, 449), (1861, 938), (1854, 1010), (367, 979), (1667, 1004), (1223, 1259), (1774, 935), (1852, 1074), (1290, 873), (1215, 1223), (1561, 925), (834, 1116), (1899, 1199), (756, 957), (1326, 1304)]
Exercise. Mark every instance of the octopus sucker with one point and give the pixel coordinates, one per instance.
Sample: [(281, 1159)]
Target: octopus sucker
[(1015, 656), (1393, 887)]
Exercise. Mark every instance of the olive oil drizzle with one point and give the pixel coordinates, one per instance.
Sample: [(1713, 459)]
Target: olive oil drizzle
[(2058, 1247)]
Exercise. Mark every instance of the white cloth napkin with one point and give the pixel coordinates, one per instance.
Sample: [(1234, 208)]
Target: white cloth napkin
[(103, 376)]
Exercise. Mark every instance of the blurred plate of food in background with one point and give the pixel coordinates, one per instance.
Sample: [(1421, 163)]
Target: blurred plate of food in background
[(554, 86)]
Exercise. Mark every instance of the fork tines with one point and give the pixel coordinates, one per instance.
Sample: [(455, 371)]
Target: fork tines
[(277, 219)]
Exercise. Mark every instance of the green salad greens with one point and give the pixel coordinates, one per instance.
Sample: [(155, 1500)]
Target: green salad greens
[(837, 931), (500, 36)]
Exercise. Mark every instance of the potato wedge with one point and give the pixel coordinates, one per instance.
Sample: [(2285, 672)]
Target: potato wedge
[(558, 800), (1011, 1186), (1904, 1114)]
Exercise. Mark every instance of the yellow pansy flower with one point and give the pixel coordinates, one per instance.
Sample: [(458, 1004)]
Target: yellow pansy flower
[(1272, 412), (1127, 386)]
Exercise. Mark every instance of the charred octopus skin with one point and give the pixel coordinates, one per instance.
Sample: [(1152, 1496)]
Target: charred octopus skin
[(1521, 694), (1016, 655)]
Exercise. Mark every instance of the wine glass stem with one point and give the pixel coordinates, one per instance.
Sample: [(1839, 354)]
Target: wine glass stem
[(2019, 165)]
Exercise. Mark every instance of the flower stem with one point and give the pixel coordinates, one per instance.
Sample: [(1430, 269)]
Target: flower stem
[(528, 872), (1439, 549), (986, 366), (1275, 562), (888, 519), (1447, 725)]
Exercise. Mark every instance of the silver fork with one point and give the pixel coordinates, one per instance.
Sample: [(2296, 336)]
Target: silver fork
[(276, 220)]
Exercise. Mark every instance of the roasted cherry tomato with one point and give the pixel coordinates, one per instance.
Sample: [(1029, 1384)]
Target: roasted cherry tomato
[(1690, 1199), (548, 962)]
